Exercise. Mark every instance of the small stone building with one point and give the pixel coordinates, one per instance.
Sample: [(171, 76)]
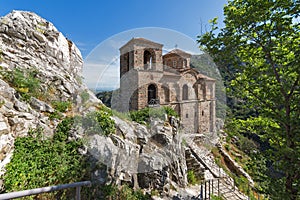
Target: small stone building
[(148, 78)]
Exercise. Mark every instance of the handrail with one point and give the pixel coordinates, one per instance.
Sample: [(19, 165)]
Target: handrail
[(24, 193)]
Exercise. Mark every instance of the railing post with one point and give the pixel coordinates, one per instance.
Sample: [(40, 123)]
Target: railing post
[(205, 190), (212, 186), (201, 193), (218, 186), (78, 193), (208, 189)]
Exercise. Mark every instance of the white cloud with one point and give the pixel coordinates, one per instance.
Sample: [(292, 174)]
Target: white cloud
[(101, 75)]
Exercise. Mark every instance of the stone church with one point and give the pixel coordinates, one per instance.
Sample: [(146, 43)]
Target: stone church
[(149, 78)]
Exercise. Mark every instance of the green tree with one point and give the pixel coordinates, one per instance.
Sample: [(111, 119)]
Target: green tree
[(259, 49)]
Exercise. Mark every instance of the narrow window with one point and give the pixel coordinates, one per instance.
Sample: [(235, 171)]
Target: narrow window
[(167, 94), (185, 92), (174, 63), (151, 93), (147, 59), (127, 63)]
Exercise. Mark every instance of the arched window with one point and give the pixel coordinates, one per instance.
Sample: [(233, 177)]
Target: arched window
[(152, 93), (167, 94), (148, 59), (185, 92)]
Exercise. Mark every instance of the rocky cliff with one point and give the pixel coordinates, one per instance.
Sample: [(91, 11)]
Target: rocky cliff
[(30, 43)]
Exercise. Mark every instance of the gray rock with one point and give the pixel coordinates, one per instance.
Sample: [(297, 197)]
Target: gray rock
[(162, 138), (21, 106), (125, 129), (3, 128), (40, 106)]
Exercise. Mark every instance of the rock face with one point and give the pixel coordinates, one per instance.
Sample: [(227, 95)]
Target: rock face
[(27, 42), (152, 159)]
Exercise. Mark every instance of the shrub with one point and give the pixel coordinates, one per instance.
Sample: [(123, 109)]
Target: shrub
[(55, 115), (40, 162), (170, 111), (61, 106), (84, 96), (25, 83), (242, 183), (246, 145), (227, 147), (143, 116), (192, 179), (122, 115), (99, 122), (124, 193), (213, 197)]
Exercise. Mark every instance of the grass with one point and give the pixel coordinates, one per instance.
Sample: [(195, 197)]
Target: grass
[(121, 115), (242, 159)]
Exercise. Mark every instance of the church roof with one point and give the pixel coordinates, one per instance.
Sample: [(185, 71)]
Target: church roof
[(178, 52), (140, 40), (206, 77), (196, 73)]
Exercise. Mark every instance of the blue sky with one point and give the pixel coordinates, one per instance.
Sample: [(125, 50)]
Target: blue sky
[(99, 28), (89, 22)]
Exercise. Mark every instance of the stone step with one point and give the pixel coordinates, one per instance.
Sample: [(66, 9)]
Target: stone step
[(226, 185)]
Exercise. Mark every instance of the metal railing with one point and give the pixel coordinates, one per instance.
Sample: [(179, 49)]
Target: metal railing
[(153, 103), (24, 193)]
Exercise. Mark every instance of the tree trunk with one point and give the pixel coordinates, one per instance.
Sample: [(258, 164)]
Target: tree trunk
[(292, 191)]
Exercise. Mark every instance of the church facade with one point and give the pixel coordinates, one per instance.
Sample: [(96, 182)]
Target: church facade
[(149, 78)]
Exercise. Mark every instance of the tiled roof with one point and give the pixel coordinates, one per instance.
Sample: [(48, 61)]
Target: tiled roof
[(178, 52), (142, 41)]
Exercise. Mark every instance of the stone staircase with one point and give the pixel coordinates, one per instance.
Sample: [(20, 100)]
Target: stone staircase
[(194, 165), (219, 183)]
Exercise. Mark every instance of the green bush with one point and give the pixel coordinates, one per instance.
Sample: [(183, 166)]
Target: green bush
[(124, 193), (55, 115), (192, 179), (213, 197), (122, 115), (39, 162), (25, 82), (170, 111), (242, 183), (246, 145), (84, 96), (61, 106), (143, 116), (99, 122)]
